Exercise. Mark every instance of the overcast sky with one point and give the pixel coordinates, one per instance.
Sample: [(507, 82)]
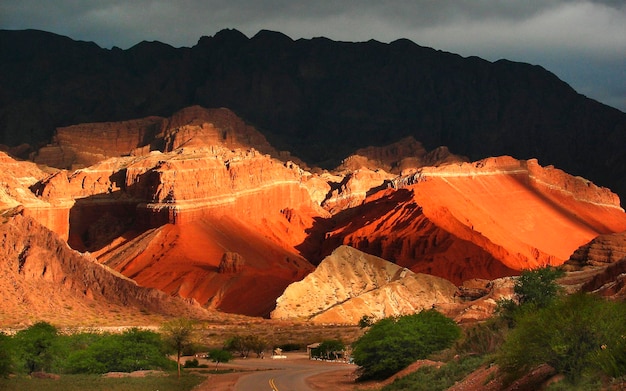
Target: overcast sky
[(582, 42)]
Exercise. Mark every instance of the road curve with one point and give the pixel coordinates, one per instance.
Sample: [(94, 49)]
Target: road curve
[(288, 374)]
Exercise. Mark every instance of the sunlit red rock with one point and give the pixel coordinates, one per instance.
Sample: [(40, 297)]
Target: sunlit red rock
[(84, 145), (487, 219), (41, 278)]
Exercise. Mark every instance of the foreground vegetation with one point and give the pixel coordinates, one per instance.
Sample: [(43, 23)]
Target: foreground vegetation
[(99, 383), (580, 337)]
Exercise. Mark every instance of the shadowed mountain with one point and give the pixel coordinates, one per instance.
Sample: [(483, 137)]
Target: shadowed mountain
[(319, 99)]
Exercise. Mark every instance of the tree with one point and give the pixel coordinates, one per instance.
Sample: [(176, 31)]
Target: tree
[(538, 287), (178, 334), (219, 355), (35, 347), (575, 335), (329, 349), (393, 343), (244, 344)]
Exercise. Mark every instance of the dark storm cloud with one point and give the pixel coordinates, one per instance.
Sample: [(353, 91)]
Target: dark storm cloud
[(561, 35)]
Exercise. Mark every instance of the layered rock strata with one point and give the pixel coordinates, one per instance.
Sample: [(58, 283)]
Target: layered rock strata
[(349, 284), (486, 219), (41, 278)]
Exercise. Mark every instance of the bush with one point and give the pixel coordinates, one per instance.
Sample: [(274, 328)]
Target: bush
[(191, 363), (244, 344), (131, 351), (483, 338), (391, 344), (35, 347), (577, 335), (219, 355), (329, 349), (431, 378), (6, 362), (538, 286)]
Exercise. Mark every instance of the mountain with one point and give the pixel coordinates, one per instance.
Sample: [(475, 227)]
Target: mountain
[(319, 99), (191, 206)]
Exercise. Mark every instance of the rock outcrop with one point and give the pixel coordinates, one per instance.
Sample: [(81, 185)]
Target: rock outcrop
[(41, 278), (83, 145), (231, 263), (349, 284), (486, 219), (598, 266)]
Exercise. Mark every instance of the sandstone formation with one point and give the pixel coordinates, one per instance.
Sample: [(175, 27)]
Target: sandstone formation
[(598, 266), (402, 157), (486, 219), (349, 284), (201, 202), (188, 205), (41, 278), (231, 263), (83, 145)]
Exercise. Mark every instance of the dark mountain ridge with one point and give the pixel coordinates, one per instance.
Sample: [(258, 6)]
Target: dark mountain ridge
[(317, 98)]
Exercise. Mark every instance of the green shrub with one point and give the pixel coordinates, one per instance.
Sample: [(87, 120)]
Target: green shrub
[(6, 350), (483, 338), (329, 349), (244, 344), (35, 347), (391, 344), (191, 363), (219, 355), (131, 351), (538, 286), (577, 335), (431, 378)]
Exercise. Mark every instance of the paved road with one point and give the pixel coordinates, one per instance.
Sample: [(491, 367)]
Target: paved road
[(284, 374)]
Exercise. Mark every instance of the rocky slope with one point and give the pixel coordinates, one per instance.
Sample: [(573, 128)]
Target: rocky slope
[(476, 220), (350, 284), (599, 266), (167, 219), (41, 278), (317, 98)]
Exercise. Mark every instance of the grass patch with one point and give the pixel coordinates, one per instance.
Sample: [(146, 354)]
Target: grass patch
[(99, 383), (432, 379)]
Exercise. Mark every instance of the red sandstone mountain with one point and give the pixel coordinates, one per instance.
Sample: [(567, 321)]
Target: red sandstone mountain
[(41, 278), (190, 206), (599, 266)]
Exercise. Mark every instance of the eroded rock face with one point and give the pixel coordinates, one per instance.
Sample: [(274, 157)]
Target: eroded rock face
[(599, 266), (41, 276), (231, 262), (84, 145), (487, 219), (349, 284)]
